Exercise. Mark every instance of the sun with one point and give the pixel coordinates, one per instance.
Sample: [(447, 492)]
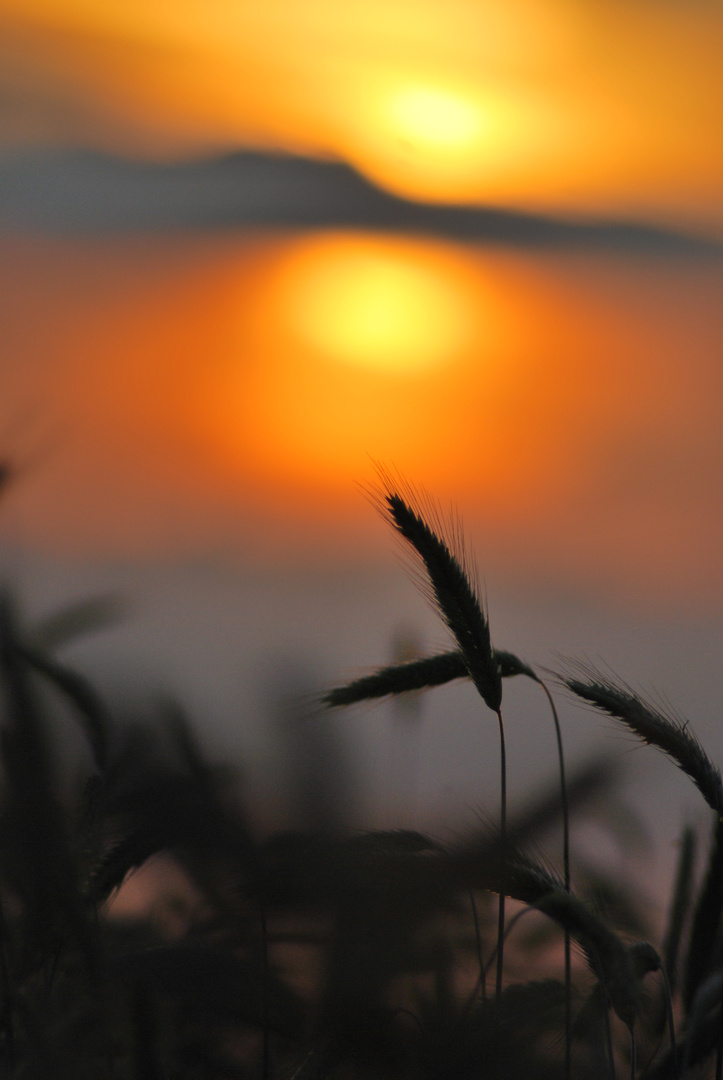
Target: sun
[(434, 119)]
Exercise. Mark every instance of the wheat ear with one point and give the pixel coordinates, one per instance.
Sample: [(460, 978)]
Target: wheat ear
[(400, 678), (422, 674), (451, 592), (653, 727), (611, 957)]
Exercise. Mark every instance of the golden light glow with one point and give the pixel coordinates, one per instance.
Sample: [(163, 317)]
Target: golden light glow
[(434, 118), (374, 302)]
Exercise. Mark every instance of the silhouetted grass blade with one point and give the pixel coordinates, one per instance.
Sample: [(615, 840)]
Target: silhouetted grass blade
[(80, 692), (84, 617), (706, 920), (680, 905), (37, 858)]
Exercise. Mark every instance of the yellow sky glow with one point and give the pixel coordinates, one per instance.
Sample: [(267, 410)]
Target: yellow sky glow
[(441, 121)]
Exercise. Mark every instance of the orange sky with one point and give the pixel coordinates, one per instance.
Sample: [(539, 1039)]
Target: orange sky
[(585, 107)]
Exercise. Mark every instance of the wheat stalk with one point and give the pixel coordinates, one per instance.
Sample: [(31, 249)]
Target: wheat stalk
[(453, 594)]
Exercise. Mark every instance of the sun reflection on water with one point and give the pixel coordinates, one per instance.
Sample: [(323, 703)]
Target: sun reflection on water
[(383, 304), (576, 415)]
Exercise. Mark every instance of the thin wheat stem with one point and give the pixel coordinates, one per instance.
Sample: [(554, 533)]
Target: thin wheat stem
[(482, 984), (706, 920), (503, 859), (608, 1026), (633, 1053), (679, 906), (563, 786), (670, 1018), (265, 994), (566, 874), (509, 927), (719, 1046), (7, 1010)]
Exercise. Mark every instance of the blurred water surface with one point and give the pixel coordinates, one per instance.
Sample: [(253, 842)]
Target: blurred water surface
[(190, 392)]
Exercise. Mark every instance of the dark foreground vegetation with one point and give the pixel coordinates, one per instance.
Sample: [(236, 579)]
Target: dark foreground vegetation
[(319, 954)]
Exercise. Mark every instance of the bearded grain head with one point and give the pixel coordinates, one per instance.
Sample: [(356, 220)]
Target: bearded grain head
[(451, 591)]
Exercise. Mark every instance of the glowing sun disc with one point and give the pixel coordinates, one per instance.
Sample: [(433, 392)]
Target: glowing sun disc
[(434, 119)]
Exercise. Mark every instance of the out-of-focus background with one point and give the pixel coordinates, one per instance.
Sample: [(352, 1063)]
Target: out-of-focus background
[(249, 248)]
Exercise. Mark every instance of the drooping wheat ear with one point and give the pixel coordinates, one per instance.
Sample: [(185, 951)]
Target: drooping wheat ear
[(420, 674), (646, 959), (666, 733), (607, 953), (400, 678), (453, 595), (80, 693)]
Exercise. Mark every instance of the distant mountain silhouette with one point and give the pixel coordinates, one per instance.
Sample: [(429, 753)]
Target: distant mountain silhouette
[(81, 191)]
